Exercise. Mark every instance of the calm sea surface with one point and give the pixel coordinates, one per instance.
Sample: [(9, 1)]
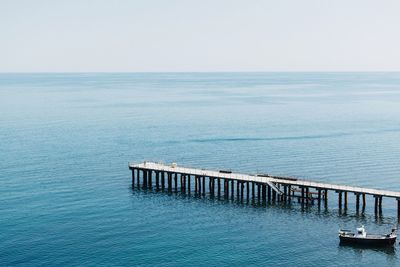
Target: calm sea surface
[(66, 139)]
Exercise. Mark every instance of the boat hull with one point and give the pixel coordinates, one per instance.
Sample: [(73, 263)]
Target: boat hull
[(365, 241)]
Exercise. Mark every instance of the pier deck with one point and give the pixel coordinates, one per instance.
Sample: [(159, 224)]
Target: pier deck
[(268, 183), (264, 179)]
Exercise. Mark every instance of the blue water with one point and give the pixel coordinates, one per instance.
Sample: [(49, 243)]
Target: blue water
[(66, 139)]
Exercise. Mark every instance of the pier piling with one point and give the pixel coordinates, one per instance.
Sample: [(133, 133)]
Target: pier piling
[(204, 185), (307, 196), (264, 193), (138, 177), (319, 197), (398, 208), (226, 188), (284, 193), (212, 186), (233, 189), (176, 181), (199, 183), (241, 191), (357, 202), (273, 196), (237, 189), (247, 190), (133, 178), (162, 180), (150, 182), (169, 181), (157, 180), (189, 185), (219, 187), (364, 201), (144, 173), (326, 198)]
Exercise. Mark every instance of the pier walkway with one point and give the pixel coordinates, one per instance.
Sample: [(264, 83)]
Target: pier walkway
[(269, 187)]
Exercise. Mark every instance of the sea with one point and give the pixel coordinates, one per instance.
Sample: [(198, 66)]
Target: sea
[(66, 139)]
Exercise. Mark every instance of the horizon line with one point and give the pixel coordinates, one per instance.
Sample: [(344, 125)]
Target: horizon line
[(188, 72)]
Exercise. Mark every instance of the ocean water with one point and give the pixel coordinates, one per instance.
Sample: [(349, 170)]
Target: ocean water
[(66, 140)]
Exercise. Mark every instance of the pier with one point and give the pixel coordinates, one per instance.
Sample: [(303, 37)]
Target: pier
[(258, 187)]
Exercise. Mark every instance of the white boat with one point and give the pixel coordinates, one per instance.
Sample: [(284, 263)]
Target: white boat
[(362, 238)]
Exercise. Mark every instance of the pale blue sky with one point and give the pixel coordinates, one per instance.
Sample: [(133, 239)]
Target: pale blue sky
[(202, 35)]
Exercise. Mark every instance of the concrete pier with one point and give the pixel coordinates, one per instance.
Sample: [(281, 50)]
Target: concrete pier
[(264, 187)]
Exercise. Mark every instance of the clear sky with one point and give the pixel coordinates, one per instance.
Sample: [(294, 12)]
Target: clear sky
[(201, 35)]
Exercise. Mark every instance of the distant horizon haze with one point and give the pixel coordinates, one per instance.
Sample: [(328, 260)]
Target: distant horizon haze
[(191, 36), (194, 72)]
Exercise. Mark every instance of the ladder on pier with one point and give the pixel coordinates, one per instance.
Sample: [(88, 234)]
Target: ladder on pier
[(275, 188)]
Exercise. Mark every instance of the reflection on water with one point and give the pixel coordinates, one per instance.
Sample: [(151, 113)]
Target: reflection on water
[(356, 218), (389, 251)]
